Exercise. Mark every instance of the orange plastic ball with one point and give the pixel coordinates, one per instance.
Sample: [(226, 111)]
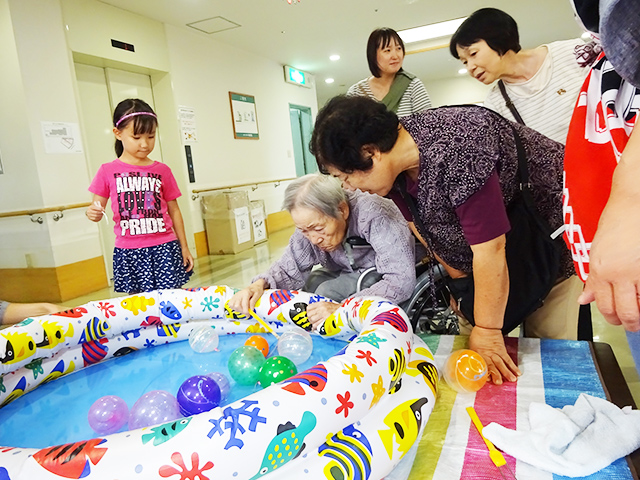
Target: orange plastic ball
[(260, 343), (465, 371)]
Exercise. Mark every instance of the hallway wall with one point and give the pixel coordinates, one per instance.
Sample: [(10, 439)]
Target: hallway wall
[(41, 40)]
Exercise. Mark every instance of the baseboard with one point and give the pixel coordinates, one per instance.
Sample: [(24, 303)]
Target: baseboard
[(279, 221), (202, 246), (55, 285)]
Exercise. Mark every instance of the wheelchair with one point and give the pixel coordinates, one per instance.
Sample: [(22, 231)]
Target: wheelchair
[(429, 309)]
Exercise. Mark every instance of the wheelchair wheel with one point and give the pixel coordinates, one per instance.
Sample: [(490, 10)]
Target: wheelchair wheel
[(428, 308)]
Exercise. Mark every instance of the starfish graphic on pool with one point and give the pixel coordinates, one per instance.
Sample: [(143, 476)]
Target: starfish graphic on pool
[(372, 338)]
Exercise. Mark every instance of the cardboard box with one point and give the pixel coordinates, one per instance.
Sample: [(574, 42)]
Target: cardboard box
[(258, 221), (227, 221)]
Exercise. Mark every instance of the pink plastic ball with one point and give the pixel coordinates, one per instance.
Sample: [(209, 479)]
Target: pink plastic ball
[(153, 408), (108, 414)]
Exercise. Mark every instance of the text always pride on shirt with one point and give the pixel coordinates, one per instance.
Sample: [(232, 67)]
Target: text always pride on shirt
[(139, 203)]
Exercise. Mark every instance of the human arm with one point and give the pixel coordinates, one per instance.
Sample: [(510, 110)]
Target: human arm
[(284, 273), (245, 300), (491, 290), (178, 228), (383, 227), (292, 269), (96, 211), (614, 264), (318, 312), (16, 312)]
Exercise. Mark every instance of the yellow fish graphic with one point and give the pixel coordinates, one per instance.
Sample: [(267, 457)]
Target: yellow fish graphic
[(19, 347), (404, 424), (137, 303), (53, 334)]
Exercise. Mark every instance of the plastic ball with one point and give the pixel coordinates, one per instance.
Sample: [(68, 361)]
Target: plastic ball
[(465, 371), (153, 408), (198, 394), (203, 339), (260, 343), (108, 414), (244, 364), (223, 383), (296, 345), (276, 369)]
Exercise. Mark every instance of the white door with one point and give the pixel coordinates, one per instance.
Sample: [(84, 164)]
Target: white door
[(101, 89)]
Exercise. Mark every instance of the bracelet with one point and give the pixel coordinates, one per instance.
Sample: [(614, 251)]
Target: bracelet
[(489, 328)]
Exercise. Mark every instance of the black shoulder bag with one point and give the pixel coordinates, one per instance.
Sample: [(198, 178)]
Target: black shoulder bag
[(533, 256)]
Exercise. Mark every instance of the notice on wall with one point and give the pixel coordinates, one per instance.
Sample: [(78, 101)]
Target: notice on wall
[(61, 137), (187, 118), (243, 224)]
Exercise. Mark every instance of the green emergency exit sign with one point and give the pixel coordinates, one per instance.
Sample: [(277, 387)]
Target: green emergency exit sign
[(297, 77)]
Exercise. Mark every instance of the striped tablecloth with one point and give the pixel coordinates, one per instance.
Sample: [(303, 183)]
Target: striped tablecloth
[(555, 372)]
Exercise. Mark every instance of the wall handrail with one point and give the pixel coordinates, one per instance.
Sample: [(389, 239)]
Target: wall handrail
[(196, 192), (38, 211)]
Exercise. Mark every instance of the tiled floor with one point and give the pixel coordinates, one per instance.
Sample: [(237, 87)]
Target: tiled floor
[(237, 271)]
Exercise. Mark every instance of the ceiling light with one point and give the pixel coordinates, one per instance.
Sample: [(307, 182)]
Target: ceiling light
[(462, 71), (427, 32), (334, 58), (329, 80)]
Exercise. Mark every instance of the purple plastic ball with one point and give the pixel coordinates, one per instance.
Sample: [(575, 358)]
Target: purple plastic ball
[(223, 382), (108, 414), (154, 408), (198, 394)]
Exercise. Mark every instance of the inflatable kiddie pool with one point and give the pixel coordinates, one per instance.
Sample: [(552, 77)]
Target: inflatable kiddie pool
[(353, 416)]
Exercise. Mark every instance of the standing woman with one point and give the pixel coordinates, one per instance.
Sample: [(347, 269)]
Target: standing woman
[(541, 83), (402, 92), (460, 166)]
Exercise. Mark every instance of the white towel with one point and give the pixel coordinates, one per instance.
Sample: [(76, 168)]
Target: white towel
[(575, 441)]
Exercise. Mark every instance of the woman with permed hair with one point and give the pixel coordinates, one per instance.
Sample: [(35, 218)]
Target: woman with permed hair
[(401, 91), (458, 167)]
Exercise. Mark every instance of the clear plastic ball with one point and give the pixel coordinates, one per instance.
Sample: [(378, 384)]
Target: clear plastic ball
[(153, 408), (223, 382), (465, 371), (203, 339), (108, 414), (296, 345)]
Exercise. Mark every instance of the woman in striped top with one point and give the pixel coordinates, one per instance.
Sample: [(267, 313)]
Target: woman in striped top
[(542, 83), (402, 92)]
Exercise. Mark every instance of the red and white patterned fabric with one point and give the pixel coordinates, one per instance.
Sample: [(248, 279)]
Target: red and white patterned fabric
[(605, 113)]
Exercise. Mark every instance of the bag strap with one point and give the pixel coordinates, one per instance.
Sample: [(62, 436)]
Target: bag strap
[(509, 103), (396, 91), (526, 189)]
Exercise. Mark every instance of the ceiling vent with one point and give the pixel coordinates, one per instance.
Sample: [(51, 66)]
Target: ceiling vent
[(213, 25)]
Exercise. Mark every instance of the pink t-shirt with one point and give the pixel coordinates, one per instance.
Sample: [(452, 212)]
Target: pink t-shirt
[(139, 196)]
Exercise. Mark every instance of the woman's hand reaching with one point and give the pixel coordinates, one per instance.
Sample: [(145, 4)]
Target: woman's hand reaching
[(489, 343), (245, 300)]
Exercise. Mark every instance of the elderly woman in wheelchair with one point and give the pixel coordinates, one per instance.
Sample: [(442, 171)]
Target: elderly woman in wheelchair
[(347, 234)]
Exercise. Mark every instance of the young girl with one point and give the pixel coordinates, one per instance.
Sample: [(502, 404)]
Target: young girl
[(151, 249)]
